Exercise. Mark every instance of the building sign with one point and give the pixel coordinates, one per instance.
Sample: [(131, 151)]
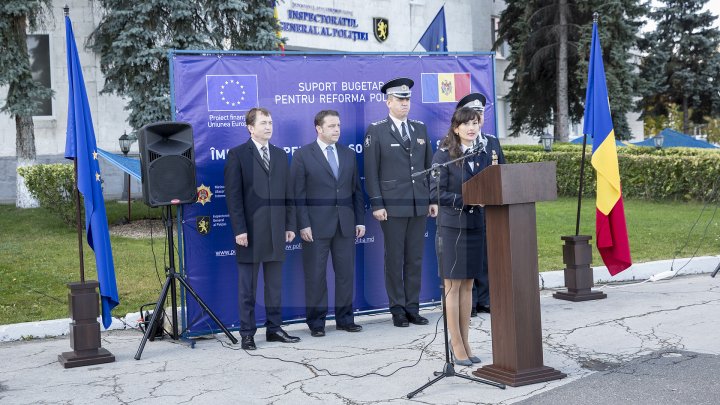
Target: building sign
[(324, 21)]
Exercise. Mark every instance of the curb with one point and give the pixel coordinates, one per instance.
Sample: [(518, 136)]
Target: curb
[(654, 271)]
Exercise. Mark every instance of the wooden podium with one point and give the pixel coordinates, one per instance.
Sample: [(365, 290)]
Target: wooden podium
[(509, 193)]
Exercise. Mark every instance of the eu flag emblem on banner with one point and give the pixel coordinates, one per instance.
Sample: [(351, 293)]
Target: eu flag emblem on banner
[(610, 227), (231, 92), (80, 146), (444, 87)]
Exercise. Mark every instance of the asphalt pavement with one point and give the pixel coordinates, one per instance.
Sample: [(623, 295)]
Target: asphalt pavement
[(647, 343)]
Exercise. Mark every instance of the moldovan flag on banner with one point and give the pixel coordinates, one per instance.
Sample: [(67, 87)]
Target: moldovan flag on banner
[(444, 87), (610, 228)]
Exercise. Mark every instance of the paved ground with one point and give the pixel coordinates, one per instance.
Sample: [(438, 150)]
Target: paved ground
[(651, 343)]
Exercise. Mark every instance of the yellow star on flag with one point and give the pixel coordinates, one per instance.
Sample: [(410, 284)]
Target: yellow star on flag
[(97, 176), (95, 155)]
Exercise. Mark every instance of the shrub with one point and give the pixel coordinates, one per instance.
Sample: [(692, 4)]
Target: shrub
[(668, 174), (52, 185)]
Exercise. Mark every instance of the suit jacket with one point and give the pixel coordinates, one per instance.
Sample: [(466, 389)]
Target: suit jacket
[(448, 186), (389, 166), (259, 203), (321, 200)]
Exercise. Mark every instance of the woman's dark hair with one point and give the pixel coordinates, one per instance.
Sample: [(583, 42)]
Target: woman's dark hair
[(451, 142)]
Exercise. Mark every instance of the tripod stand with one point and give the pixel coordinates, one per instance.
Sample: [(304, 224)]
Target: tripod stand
[(449, 367), (169, 285), (715, 272)]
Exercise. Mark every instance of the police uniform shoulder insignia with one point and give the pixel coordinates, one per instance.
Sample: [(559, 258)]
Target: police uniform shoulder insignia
[(490, 136), (380, 122), (418, 122), (367, 140), (444, 149)]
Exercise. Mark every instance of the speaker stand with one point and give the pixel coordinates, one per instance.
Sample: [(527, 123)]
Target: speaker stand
[(169, 285)]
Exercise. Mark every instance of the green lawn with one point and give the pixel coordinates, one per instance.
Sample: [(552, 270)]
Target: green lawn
[(38, 254)]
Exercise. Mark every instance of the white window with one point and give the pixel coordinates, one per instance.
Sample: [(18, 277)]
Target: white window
[(502, 49)]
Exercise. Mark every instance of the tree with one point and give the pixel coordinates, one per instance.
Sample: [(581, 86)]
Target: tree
[(681, 64), (619, 23), (24, 93), (542, 35), (133, 39), (550, 44)]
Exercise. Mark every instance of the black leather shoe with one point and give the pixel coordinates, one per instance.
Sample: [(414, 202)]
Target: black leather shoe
[(483, 308), (417, 319), (351, 327), (473, 312), (281, 336), (400, 321), (317, 332), (247, 343)]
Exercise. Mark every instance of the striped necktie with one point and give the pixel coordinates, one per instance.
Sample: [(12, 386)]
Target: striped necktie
[(265, 158)]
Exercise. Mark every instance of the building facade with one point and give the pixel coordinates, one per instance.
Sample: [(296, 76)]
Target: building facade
[(317, 25)]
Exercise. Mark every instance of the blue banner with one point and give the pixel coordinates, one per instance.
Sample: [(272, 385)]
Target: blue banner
[(214, 91)]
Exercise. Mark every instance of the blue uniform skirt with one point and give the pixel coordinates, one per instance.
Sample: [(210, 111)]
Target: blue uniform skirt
[(462, 252)]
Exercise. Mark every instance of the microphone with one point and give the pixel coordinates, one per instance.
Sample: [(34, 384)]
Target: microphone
[(480, 143)]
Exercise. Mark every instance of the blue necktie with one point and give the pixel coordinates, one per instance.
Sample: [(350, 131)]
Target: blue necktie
[(333, 162)]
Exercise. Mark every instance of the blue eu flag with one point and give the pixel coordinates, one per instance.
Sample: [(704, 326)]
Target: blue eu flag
[(80, 145), (231, 92), (435, 38)]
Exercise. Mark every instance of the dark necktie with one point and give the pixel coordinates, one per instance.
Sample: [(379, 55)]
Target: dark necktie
[(265, 158), (405, 136), (333, 162)]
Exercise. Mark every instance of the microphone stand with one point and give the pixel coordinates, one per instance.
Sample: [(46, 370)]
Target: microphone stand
[(449, 367)]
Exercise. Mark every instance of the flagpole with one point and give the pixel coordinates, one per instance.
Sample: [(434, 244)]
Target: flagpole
[(83, 297), (78, 214), (580, 189), (582, 163), (577, 252)]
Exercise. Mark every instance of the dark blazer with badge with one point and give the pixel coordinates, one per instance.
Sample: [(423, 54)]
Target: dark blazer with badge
[(389, 165), (259, 203), (450, 188)]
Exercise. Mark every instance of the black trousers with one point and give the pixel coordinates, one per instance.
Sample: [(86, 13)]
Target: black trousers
[(481, 284), (315, 257), (272, 277), (404, 244)]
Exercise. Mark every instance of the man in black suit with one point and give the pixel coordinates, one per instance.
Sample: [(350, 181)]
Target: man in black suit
[(490, 154), (330, 211), (395, 148), (259, 200)]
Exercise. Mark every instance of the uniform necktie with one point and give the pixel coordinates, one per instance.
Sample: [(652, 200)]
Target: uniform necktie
[(265, 158), (331, 159), (405, 136)]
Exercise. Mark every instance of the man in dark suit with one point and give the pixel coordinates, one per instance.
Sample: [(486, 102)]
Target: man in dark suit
[(259, 200), (330, 212), (395, 148), (490, 154)]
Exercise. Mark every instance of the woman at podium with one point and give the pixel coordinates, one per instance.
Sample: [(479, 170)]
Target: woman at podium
[(461, 228)]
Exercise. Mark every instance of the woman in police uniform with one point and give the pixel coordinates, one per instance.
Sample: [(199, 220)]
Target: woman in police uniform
[(460, 232)]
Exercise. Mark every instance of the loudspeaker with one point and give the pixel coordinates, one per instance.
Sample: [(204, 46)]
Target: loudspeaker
[(167, 163)]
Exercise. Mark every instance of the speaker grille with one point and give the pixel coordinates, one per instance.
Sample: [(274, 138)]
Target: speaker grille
[(167, 162)]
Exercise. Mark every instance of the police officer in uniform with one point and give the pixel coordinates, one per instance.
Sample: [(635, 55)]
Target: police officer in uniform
[(491, 154), (395, 148)]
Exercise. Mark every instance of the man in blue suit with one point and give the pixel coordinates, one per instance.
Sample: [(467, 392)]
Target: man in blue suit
[(330, 212)]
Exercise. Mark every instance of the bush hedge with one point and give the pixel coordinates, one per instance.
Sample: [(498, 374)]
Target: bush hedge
[(52, 185), (668, 174)]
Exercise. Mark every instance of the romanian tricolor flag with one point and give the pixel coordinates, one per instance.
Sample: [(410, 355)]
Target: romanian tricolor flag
[(610, 228), (444, 87), (278, 33)]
